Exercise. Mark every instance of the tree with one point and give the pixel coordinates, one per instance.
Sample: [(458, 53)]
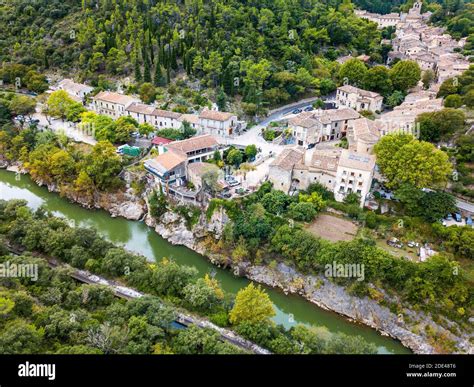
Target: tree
[(187, 130), (405, 75), (354, 71), (124, 127), (18, 337), (440, 125), (170, 278), (453, 101), (275, 202), (22, 105), (58, 103), (314, 198), (427, 78), (352, 199), (221, 100), (147, 92), (251, 151), (395, 99), (200, 295), (196, 340), (468, 99), (159, 80), (145, 129), (252, 304), (378, 79), (103, 165), (403, 159), (436, 205), (234, 157), (448, 87), (210, 180), (304, 212)]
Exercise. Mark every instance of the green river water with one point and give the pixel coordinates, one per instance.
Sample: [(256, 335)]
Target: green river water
[(138, 237)]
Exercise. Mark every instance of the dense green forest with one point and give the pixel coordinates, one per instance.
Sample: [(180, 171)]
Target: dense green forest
[(264, 50)]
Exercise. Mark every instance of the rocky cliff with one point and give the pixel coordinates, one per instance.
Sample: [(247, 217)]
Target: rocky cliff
[(316, 289)]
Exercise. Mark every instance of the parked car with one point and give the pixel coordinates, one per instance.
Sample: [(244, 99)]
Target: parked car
[(395, 242), (458, 217), (308, 109), (241, 191), (449, 217), (469, 221), (297, 111)]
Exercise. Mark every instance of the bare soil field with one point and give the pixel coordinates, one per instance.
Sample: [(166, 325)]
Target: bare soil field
[(333, 228)]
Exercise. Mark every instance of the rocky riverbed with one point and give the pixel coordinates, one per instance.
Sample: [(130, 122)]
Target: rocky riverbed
[(119, 204)]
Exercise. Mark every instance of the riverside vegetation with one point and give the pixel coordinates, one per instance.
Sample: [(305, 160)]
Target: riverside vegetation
[(36, 315)]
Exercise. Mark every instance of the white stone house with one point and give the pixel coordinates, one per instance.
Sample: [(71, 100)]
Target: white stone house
[(321, 125), (281, 169), (358, 99), (77, 91), (218, 123), (354, 175), (112, 104)]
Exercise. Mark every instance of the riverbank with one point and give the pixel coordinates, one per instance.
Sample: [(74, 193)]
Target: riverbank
[(411, 328), (173, 229)]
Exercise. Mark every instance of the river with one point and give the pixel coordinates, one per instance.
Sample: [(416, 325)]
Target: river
[(139, 238)]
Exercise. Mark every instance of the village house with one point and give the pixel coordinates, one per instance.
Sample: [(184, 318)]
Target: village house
[(77, 91), (192, 119), (141, 112), (281, 169), (403, 117), (218, 123), (321, 169), (358, 99), (199, 148), (112, 104), (354, 175), (363, 134), (341, 171), (168, 168), (171, 168), (309, 128)]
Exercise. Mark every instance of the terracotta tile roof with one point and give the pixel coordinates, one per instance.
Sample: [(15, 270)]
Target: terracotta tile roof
[(215, 115), (363, 93), (166, 161), (191, 118), (326, 160), (366, 130), (288, 159), (166, 114), (194, 143), (109, 96), (160, 140), (73, 87), (343, 114), (305, 120), (141, 108)]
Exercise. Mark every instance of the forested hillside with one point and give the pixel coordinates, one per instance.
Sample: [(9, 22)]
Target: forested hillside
[(261, 49)]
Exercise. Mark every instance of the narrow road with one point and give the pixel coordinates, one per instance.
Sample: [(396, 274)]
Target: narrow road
[(129, 293)]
